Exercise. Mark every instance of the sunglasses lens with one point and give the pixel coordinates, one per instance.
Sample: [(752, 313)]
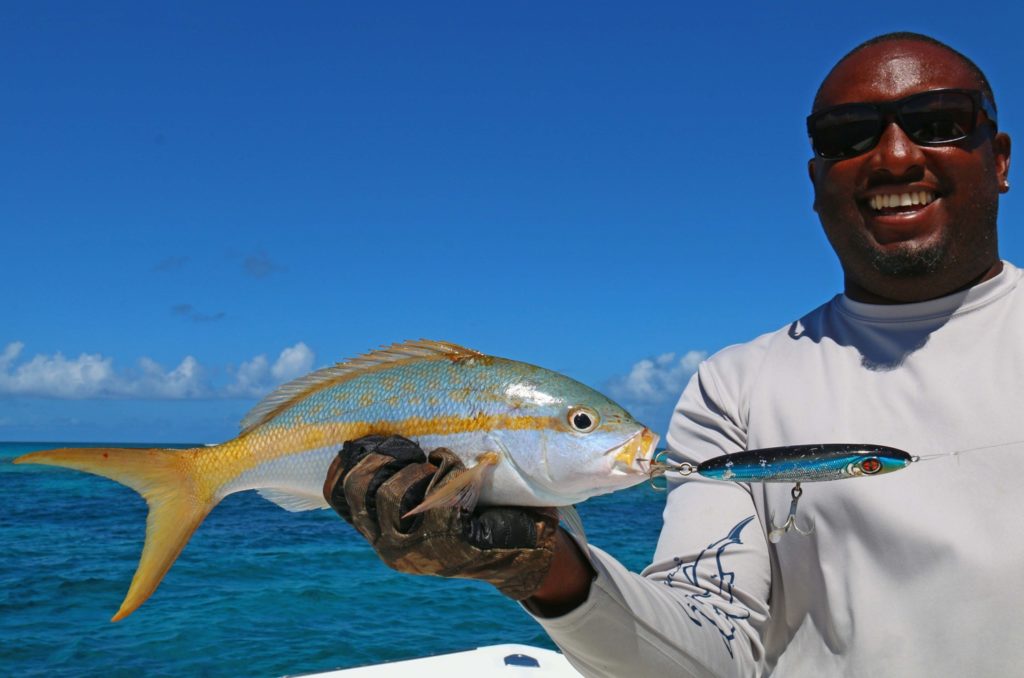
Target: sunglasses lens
[(846, 131), (938, 117)]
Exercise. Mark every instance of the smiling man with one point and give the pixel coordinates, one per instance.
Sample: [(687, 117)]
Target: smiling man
[(912, 574), (915, 573)]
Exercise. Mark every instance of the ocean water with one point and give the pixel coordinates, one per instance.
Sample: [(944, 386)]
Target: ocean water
[(258, 591)]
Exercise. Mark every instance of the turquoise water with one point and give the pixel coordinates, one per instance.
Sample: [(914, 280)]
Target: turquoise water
[(258, 591)]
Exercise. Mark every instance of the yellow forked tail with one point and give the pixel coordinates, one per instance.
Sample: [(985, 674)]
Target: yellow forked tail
[(166, 480)]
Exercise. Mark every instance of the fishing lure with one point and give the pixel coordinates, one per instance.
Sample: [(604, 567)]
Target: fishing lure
[(790, 464)]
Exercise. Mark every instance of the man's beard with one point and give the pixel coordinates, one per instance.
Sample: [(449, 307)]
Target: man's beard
[(913, 261), (906, 260), (909, 261)]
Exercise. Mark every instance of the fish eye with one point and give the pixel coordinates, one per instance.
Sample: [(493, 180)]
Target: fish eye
[(583, 419), (871, 465)]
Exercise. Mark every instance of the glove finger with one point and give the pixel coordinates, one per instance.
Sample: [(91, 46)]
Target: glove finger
[(443, 457), (360, 489), (334, 489), (511, 528), (401, 493), (399, 448), (354, 451)]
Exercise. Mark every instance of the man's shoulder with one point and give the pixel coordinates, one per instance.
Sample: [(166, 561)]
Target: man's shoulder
[(746, 354), (747, 351)]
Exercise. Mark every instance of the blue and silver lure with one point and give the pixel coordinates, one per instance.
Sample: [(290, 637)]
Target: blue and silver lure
[(791, 464), (798, 463)]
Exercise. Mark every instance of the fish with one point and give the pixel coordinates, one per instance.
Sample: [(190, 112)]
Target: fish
[(793, 463), (527, 435)]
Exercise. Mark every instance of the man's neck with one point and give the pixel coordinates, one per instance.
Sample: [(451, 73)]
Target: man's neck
[(919, 289)]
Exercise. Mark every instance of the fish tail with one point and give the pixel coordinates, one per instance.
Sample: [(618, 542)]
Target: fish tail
[(168, 483)]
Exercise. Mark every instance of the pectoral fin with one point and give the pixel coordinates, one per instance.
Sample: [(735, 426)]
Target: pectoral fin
[(461, 488)]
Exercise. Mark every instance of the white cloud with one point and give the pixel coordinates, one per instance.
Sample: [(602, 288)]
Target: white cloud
[(184, 381), (10, 354), (653, 385), (654, 380), (250, 378), (92, 375), (293, 362), (88, 375), (256, 377)]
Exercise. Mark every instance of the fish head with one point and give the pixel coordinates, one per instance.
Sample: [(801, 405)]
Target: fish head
[(587, 445), (610, 457)]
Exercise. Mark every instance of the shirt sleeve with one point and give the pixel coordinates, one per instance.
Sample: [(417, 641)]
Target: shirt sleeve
[(701, 607)]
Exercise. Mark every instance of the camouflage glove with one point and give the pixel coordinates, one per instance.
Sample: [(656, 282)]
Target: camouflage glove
[(376, 480)]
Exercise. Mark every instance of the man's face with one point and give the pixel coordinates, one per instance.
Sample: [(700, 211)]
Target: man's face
[(917, 252)]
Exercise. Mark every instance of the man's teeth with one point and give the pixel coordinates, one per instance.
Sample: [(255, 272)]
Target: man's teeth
[(881, 202)]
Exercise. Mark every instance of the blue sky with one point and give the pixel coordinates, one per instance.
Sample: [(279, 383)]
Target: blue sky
[(202, 199)]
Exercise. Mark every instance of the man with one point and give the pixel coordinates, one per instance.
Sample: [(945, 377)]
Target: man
[(914, 573)]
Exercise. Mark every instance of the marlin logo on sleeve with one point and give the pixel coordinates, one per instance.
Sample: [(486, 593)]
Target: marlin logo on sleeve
[(705, 608)]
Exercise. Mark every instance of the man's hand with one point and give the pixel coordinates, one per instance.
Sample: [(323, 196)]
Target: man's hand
[(376, 480)]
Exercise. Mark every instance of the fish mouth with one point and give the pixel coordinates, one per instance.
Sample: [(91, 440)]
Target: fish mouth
[(636, 451)]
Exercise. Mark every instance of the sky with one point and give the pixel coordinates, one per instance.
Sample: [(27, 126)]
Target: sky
[(203, 200)]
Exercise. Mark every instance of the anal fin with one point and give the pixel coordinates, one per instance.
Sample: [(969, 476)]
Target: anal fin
[(291, 501)]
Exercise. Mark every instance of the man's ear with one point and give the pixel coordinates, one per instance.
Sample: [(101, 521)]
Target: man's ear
[(810, 175), (1001, 150)]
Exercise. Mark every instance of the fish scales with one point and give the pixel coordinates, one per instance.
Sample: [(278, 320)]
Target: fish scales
[(464, 391)]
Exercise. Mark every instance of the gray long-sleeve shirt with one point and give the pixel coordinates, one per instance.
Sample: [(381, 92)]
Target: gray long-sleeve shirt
[(914, 573)]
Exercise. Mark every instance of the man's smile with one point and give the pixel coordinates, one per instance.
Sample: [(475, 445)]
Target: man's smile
[(897, 213), (899, 202)]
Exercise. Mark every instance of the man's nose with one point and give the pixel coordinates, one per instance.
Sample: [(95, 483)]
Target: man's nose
[(896, 153)]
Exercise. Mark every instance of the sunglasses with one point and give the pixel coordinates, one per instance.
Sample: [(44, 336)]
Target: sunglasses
[(932, 118)]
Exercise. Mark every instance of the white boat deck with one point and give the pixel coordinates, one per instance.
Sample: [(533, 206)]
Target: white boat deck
[(513, 661)]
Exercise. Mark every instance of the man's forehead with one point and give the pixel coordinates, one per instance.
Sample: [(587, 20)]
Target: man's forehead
[(892, 70)]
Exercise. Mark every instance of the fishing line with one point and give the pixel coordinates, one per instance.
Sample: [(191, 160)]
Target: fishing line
[(956, 453)]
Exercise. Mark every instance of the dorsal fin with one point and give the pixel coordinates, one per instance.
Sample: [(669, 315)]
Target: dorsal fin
[(296, 389)]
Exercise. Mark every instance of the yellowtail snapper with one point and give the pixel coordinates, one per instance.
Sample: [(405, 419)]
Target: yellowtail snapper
[(528, 437)]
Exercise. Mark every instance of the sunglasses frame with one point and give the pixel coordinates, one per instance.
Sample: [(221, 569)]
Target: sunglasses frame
[(889, 111)]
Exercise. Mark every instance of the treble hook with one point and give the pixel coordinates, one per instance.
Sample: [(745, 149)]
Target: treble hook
[(778, 531)]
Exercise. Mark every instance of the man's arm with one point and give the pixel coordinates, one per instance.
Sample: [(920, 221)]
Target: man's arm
[(700, 608)]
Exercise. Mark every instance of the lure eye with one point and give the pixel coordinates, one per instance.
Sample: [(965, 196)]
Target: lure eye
[(583, 419), (871, 465)]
